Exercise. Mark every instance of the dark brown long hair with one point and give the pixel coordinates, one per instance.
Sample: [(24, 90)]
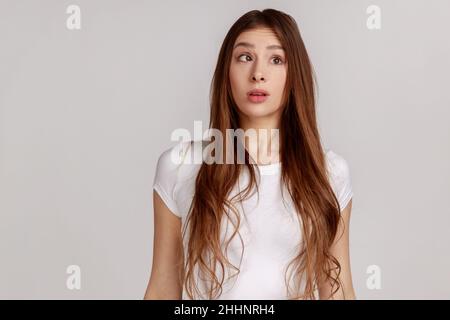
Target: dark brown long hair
[(303, 172)]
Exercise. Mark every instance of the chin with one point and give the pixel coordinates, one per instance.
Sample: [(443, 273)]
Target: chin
[(257, 110)]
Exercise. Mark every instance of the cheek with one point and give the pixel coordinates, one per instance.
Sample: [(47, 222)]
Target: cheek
[(237, 77), (280, 81), (235, 71)]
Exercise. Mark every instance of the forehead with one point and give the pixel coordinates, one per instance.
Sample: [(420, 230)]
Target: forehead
[(259, 37)]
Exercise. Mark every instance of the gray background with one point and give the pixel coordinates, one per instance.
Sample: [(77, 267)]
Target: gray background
[(86, 113)]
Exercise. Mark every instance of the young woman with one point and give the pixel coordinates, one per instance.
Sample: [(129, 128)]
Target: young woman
[(254, 230)]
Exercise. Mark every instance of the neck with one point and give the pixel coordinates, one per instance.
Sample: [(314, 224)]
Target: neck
[(262, 140)]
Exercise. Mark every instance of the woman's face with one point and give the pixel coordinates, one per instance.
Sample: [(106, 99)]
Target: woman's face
[(258, 62)]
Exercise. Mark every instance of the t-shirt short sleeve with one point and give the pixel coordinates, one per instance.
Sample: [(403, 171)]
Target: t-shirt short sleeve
[(166, 176), (340, 179)]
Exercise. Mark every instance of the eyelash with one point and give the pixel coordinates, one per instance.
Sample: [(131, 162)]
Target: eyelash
[(274, 57)]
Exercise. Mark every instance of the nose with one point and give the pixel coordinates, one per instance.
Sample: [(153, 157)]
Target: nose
[(258, 77), (258, 74)]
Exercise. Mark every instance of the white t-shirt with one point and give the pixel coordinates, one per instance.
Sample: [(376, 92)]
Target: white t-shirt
[(269, 228)]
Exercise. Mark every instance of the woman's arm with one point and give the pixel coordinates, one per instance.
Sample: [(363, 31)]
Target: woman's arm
[(340, 250), (168, 258)]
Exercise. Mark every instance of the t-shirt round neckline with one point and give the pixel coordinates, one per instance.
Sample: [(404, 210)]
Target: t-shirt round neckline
[(269, 169)]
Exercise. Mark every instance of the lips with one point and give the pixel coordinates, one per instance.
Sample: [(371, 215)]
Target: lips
[(257, 92), (257, 95)]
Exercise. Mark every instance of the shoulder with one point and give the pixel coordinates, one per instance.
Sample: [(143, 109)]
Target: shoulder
[(182, 154), (172, 157), (179, 161), (337, 165), (339, 175), (174, 175)]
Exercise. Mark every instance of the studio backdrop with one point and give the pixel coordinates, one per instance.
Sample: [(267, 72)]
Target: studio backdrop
[(90, 92)]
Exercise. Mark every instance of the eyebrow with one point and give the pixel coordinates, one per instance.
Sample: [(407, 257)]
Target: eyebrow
[(249, 45)]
